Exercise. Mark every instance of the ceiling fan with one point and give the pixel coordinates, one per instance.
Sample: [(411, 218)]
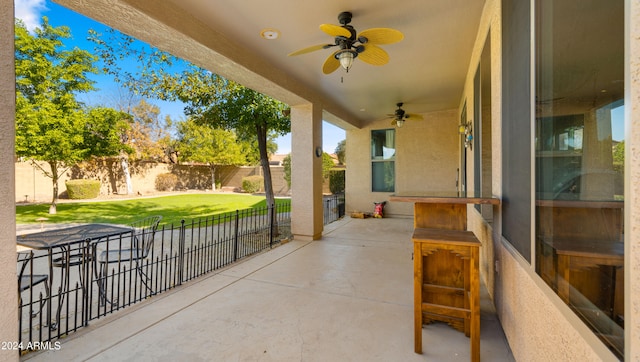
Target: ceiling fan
[(399, 116), (353, 45)]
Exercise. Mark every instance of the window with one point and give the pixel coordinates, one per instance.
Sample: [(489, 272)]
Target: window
[(516, 125), (383, 154), (482, 151), (579, 159)]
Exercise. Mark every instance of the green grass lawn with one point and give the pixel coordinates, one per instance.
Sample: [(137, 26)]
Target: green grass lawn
[(172, 208)]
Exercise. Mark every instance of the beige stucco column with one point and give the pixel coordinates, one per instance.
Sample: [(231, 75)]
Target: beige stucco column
[(8, 279), (306, 172), (632, 183)]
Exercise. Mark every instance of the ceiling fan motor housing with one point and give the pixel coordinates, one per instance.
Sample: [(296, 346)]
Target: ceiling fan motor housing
[(344, 17), (347, 44)]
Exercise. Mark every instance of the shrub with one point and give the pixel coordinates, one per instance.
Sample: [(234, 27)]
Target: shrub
[(252, 184), (327, 165), (286, 163), (82, 189), (336, 181), (166, 182)]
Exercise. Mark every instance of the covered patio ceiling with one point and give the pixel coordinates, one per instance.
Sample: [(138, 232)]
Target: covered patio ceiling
[(426, 70)]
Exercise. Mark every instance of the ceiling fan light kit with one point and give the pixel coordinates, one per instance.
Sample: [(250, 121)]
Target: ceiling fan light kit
[(346, 58), (399, 116), (353, 45)]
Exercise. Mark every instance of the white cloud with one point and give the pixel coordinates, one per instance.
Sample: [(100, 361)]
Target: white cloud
[(29, 11)]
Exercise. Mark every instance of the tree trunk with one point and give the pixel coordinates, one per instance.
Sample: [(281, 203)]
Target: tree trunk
[(261, 130), (213, 176), (264, 162), (54, 179), (127, 175)]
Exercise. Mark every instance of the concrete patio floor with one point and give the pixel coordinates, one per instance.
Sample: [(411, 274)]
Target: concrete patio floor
[(347, 297)]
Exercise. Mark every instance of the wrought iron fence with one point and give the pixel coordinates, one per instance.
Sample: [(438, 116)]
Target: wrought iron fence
[(333, 208), (112, 273)]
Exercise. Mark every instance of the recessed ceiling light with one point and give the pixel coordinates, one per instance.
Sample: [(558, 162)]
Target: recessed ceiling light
[(270, 34)]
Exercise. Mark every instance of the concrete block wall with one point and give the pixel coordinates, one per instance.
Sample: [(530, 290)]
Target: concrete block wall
[(33, 186)]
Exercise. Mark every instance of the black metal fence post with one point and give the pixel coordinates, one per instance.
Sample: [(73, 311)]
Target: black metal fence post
[(181, 241), (85, 270), (333, 208), (272, 214), (236, 236)]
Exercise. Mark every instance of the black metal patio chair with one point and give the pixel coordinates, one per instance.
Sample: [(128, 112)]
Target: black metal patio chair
[(132, 248), (28, 280), (74, 256)]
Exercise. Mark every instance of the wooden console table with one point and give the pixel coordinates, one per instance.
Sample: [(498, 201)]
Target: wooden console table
[(446, 265)]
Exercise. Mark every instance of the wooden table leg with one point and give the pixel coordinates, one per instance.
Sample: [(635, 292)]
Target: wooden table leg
[(417, 296), (563, 277), (467, 266), (475, 305)]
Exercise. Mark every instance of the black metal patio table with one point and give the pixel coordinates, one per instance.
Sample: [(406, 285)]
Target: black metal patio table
[(69, 240)]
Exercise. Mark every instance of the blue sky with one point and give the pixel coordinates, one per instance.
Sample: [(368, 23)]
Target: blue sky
[(617, 118), (31, 13)]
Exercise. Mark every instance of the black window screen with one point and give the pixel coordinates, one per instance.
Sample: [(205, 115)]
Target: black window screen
[(516, 125)]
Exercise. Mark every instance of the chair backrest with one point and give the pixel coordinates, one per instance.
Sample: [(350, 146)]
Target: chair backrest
[(24, 258), (143, 234), (26, 278)]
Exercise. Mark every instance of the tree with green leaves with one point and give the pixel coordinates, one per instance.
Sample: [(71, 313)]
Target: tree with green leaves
[(618, 153), (208, 98), (341, 152), (251, 149), (147, 134), (618, 157), (286, 165), (51, 125), (204, 144), (225, 104), (102, 132), (327, 166)]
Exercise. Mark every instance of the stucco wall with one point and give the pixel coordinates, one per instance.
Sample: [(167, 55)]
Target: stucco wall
[(8, 279), (426, 160), (33, 185), (632, 183), (538, 325)]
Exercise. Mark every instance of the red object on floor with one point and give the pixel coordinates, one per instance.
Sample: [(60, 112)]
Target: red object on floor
[(379, 208)]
